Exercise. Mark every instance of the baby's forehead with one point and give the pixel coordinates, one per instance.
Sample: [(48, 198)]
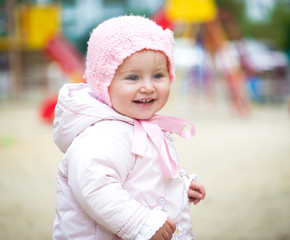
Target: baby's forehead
[(143, 57), (158, 56), (149, 51)]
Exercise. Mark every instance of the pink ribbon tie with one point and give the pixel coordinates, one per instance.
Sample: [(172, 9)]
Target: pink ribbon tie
[(153, 128)]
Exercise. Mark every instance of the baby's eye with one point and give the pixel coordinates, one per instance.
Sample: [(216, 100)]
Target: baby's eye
[(132, 77), (158, 75)]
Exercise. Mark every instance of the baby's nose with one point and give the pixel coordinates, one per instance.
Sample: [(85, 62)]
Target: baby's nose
[(147, 86)]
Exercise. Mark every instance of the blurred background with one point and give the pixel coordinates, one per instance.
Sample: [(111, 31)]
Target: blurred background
[(232, 66)]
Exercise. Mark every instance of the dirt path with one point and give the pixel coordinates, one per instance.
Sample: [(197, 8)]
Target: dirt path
[(244, 164)]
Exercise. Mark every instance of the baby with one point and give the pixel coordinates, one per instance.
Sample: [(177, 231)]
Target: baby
[(119, 177)]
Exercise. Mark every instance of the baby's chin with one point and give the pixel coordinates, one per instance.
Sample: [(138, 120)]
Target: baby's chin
[(142, 116)]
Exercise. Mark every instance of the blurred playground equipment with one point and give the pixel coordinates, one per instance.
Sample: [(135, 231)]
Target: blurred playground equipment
[(41, 27), (37, 27), (202, 23), (210, 48)]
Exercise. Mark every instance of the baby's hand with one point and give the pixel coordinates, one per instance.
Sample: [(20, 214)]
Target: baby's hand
[(196, 192), (166, 231)]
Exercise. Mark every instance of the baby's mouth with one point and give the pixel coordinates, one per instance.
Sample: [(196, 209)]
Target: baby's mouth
[(144, 101)]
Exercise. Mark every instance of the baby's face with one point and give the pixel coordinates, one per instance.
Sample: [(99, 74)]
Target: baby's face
[(141, 85)]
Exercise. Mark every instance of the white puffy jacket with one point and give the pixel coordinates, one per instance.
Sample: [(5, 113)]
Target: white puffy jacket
[(104, 191)]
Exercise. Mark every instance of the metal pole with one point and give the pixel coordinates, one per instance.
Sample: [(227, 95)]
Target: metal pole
[(13, 52)]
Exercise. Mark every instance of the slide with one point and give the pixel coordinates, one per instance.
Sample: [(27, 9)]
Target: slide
[(62, 51)]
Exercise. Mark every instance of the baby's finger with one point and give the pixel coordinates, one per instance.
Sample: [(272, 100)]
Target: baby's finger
[(196, 201), (171, 224), (195, 194), (202, 191), (198, 187)]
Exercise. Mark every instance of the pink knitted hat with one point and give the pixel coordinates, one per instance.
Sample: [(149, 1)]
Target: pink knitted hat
[(116, 39)]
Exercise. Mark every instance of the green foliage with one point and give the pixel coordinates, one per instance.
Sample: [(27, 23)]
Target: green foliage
[(281, 22), (276, 31), (236, 7)]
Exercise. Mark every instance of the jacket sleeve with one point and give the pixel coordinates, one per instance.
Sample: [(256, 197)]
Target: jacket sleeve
[(187, 178), (97, 167), (153, 223)]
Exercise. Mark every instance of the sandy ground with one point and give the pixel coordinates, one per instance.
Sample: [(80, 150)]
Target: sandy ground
[(244, 164)]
